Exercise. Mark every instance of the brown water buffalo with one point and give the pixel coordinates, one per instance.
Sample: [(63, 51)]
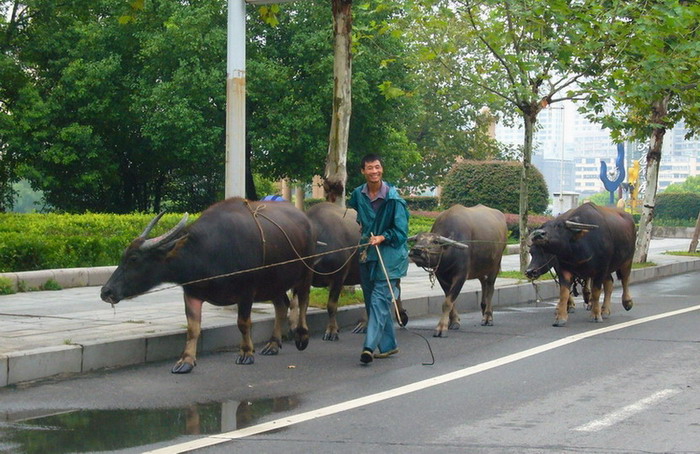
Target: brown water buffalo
[(464, 243), (588, 242), (229, 238), (336, 229)]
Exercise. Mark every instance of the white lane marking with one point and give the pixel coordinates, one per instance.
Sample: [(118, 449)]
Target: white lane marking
[(626, 412), (406, 389)]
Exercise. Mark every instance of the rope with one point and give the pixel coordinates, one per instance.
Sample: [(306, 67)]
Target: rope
[(250, 270), (257, 213)]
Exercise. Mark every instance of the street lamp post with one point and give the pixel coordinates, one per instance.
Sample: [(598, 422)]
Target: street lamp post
[(235, 96), (235, 100)]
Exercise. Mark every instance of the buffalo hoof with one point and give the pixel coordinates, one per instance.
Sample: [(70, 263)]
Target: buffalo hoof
[(454, 325), (270, 349), (245, 359), (182, 368), (487, 323), (559, 323), (571, 310), (627, 304), (597, 319), (404, 317), (301, 338), (360, 328), (330, 336), (439, 333)]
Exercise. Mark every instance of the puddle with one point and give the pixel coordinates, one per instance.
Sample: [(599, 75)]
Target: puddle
[(105, 430)]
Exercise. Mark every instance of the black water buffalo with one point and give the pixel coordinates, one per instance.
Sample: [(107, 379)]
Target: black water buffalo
[(588, 242), (229, 238), (464, 243), (336, 229)]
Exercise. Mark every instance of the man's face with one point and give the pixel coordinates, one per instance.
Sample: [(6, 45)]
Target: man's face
[(373, 171)]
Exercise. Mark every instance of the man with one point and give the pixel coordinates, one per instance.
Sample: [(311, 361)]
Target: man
[(383, 218)]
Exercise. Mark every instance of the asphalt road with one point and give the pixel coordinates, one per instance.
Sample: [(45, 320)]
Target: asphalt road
[(627, 385)]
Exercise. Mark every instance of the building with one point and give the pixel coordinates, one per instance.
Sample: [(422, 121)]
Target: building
[(568, 150)]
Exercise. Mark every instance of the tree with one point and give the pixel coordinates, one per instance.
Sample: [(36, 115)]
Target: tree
[(290, 95), (691, 184), (124, 109), (517, 57), (335, 174), (653, 85)]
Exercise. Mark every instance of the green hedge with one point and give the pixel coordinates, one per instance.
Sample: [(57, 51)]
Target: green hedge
[(44, 241), (680, 205), (495, 184)]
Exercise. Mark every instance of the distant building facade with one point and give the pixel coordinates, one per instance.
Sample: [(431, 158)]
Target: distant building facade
[(568, 149)]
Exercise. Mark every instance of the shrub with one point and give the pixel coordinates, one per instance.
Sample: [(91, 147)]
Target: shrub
[(533, 222), (495, 184), (681, 205), (6, 287), (43, 241)]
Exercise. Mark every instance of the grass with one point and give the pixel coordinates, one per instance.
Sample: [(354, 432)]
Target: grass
[(684, 253), (319, 297)]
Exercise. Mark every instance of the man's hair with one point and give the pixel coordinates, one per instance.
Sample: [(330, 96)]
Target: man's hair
[(371, 157)]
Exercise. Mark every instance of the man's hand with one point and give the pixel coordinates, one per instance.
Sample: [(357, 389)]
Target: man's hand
[(376, 240)]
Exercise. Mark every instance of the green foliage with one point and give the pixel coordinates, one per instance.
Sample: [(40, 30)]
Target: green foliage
[(654, 79), (290, 94), (495, 184), (691, 184), (600, 198), (51, 284), (124, 108), (319, 297), (6, 287), (45, 241), (680, 205), (418, 224)]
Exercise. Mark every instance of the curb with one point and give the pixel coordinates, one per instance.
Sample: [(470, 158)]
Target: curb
[(45, 362)]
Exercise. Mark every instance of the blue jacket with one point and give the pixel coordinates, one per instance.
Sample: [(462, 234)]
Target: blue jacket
[(391, 221)]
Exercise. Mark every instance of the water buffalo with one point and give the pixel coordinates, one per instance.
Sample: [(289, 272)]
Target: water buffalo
[(228, 238), (336, 229), (464, 243), (588, 242)]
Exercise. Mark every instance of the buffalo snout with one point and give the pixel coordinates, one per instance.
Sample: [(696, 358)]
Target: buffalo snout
[(108, 295), (419, 256)]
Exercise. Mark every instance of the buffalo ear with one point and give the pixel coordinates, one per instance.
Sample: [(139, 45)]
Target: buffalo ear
[(175, 246)]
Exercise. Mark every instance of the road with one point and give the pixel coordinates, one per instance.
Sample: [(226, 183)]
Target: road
[(626, 385)]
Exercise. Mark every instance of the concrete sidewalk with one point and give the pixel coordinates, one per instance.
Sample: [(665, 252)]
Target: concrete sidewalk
[(46, 333)]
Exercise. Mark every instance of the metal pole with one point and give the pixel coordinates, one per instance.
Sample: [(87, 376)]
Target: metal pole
[(235, 100)]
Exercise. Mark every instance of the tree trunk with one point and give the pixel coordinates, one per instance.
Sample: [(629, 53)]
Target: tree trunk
[(696, 235), (529, 121), (660, 109), (335, 174)]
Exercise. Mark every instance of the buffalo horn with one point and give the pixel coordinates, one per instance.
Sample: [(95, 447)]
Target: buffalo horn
[(577, 226), (151, 224), (153, 242), (451, 242)]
